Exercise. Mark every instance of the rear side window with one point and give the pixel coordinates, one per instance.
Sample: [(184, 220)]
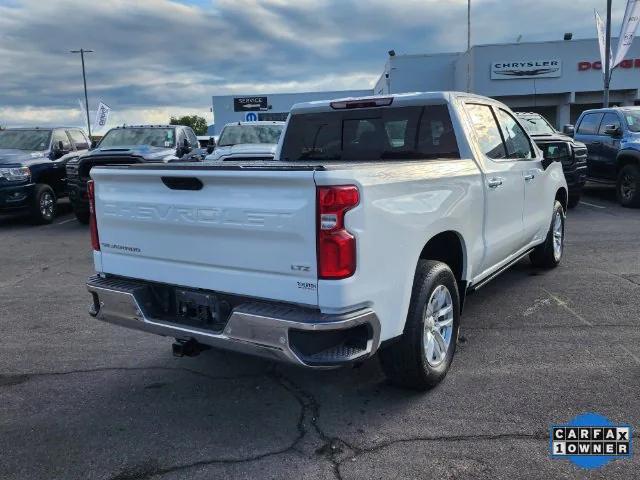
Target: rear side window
[(396, 133), (589, 124), (486, 128)]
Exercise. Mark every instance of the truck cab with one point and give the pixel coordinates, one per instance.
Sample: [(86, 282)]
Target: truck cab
[(364, 235), (612, 137), (32, 168), (126, 145), (247, 141)]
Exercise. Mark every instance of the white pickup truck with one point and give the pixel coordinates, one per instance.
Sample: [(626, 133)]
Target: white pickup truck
[(379, 216)]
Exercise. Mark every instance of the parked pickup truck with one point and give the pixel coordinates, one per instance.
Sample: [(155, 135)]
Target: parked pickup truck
[(612, 137), (380, 215), (571, 153), (32, 169), (247, 141), (131, 144)]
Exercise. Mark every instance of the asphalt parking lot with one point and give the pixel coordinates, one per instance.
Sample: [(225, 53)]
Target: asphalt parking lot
[(84, 400)]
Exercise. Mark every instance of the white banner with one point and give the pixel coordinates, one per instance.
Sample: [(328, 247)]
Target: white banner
[(628, 30), (102, 116), (602, 42)]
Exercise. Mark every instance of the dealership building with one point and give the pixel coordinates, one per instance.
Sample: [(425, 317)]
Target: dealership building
[(558, 79)]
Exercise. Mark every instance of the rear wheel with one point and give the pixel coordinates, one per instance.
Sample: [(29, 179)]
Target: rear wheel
[(44, 205), (549, 254), (422, 356), (628, 186)]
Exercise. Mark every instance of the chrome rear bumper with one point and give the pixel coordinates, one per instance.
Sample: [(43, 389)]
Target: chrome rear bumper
[(253, 327)]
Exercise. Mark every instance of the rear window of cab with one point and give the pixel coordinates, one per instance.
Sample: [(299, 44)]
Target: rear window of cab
[(371, 134)]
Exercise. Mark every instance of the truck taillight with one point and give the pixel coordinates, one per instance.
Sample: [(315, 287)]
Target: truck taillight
[(336, 246), (93, 225)]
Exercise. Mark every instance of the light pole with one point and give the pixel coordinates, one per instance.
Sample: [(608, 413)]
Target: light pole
[(607, 58), (468, 46), (82, 51)]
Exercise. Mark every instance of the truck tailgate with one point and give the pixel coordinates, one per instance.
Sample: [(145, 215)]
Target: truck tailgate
[(248, 233)]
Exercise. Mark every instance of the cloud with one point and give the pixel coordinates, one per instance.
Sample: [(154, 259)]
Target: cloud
[(155, 58)]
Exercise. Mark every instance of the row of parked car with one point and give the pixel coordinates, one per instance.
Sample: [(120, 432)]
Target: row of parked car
[(40, 165)]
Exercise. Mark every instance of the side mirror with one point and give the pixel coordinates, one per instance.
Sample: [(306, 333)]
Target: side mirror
[(569, 130), (211, 146), (94, 144), (547, 161), (60, 146), (612, 130)]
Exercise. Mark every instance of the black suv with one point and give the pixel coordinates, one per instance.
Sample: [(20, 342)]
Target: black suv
[(127, 145), (612, 136), (32, 168), (571, 153)]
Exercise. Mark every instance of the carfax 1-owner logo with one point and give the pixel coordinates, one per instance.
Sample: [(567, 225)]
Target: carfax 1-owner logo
[(590, 440)]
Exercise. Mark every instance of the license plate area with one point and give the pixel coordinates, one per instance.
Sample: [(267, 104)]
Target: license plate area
[(201, 310)]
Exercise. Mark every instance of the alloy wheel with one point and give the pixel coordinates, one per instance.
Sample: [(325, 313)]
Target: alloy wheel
[(438, 325)]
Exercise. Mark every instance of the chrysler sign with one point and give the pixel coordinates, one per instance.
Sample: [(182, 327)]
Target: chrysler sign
[(510, 70)]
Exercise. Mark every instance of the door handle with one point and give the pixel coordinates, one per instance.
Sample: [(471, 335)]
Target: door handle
[(529, 177), (494, 182), (596, 143)]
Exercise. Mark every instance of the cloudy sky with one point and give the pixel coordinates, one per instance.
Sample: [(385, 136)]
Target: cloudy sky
[(156, 58)]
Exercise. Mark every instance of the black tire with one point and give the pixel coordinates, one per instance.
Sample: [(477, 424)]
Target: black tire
[(44, 205), (545, 255), (82, 216), (628, 186), (404, 362), (574, 199)]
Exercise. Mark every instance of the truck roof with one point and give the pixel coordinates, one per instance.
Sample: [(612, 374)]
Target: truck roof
[(146, 126), (402, 99), (259, 122)]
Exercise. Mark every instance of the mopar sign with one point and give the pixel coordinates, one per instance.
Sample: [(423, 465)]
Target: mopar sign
[(526, 69), (249, 104)]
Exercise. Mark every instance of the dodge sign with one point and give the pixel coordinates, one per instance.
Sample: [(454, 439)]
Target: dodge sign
[(526, 69)]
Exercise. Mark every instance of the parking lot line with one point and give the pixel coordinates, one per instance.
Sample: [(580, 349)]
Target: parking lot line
[(591, 204), (65, 221), (631, 354), (564, 305)]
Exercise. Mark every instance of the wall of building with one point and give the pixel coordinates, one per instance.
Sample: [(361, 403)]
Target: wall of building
[(279, 103), (417, 73), (561, 94)]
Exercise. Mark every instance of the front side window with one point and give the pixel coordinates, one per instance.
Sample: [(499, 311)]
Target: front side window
[(61, 136), (387, 133), (79, 139), (243, 134), (609, 119), (134, 136), (633, 120), (589, 124), (191, 137), (486, 128), (515, 138), (37, 140)]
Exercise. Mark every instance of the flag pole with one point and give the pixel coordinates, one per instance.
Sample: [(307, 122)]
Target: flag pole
[(607, 58)]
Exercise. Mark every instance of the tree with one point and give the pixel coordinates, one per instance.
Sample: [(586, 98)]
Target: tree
[(196, 122)]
